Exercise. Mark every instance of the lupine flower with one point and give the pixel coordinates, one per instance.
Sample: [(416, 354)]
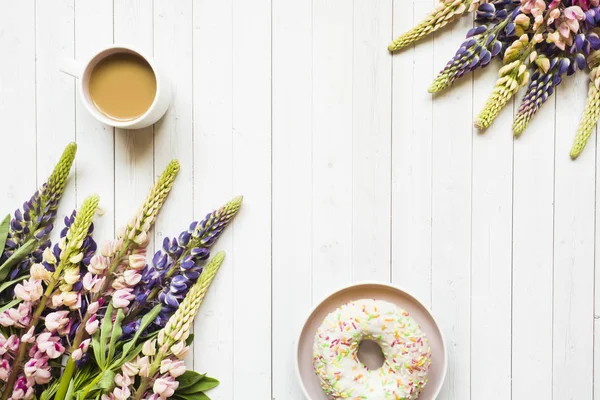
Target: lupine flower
[(591, 114), (542, 85), (511, 76), (179, 264), (137, 229), (163, 354), (70, 247), (165, 386), (446, 11), (34, 221)]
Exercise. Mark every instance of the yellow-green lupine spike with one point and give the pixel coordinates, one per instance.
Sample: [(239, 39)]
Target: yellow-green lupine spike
[(55, 184), (445, 12), (81, 225), (511, 76), (137, 229), (590, 116), (178, 326)]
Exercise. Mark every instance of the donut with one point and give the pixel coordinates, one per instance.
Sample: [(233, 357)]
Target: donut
[(406, 351)]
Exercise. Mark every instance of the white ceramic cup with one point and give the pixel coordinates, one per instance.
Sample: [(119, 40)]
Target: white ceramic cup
[(83, 71)]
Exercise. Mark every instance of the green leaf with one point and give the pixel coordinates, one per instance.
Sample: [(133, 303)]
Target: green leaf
[(70, 391), (104, 332), (189, 378), (195, 396), (10, 305), (115, 334), (4, 227), (107, 382), (203, 385), (189, 340), (8, 284), (146, 320), (17, 256), (96, 346)]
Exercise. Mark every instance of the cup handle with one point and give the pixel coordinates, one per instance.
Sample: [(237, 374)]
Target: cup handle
[(71, 67)]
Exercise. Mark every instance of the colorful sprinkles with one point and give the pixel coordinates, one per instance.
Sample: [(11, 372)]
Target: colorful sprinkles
[(406, 350)]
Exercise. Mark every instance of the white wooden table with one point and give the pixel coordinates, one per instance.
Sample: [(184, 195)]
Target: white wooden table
[(350, 172)]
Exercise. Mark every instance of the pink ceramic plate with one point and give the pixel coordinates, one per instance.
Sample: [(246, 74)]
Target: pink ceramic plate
[(309, 381)]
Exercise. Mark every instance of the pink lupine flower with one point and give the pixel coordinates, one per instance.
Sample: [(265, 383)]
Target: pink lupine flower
[(149, 347), (91, 326), (130, 369), (122, 393), (137, 261), (132, 277), (174, 367), (123, 380), (38, 369), (23, 389), (29, 290), (143, 364), (19, 317), (50, 345), (180, 350), (122, 297), (12, 343), (39, 272), (57, 320), (165, 386), (29, 336), (81, 350), (98, 264), (4, 370)]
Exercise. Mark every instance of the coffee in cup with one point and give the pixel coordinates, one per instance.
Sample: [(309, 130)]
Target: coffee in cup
[(122, 86)]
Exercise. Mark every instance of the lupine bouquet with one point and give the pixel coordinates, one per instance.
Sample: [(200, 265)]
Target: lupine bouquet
[(81, 321), (538, 41)]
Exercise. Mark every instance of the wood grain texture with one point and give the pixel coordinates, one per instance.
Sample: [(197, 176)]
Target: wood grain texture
[(251, 152), (573, 296), (350, 170), (293, 188), (213, 182), (452, 215)]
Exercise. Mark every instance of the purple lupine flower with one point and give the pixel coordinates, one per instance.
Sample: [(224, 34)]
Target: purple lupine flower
[(176, 267), (541, 87), (34, 221)]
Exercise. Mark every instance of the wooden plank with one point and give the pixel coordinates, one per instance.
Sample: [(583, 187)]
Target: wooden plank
[(412, 156), (55, 93), (95, 157), (18, 104), (371, 139), (491, 248), (451, 215), (134, 155), (292, 186), (332, 146), (574, 193), (174, 132), (213, 183), (252, 177), (533, 221)]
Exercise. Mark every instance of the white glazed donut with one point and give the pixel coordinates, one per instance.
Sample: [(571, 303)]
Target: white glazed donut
[(406, 351)]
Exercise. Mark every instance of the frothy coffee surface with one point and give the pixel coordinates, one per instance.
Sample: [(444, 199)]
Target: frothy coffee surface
[(122, 86)]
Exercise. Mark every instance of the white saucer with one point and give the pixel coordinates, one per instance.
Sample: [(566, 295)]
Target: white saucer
[(379, 291)]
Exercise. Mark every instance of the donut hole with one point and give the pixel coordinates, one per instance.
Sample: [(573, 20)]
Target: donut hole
[(370, 354)]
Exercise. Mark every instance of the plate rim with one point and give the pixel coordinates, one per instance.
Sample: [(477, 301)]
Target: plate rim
[(362, 283)]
